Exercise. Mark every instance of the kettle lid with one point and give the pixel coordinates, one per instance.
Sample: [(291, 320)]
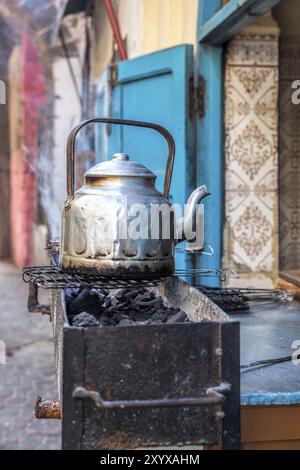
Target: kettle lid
[(120, 165)]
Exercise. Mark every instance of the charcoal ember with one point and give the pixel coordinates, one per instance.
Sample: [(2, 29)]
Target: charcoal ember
[(132, 293), (84, 319), (107, 303), (142, 316), (104, 320), (157, 303), (124, 306), (120, 307), (146, 296), (86, 301), (110, 311), (170, 311), (159, 316), (119, 294), (119, 316), (101, 294), (126, 322), (107, 322), (179, 317), (70, 294), (112, 299), (157, 321)]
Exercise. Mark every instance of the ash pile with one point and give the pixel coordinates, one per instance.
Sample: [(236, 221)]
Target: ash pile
[(119, 307)]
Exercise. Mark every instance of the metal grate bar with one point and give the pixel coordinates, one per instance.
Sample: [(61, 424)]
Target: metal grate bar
[(52, 277)]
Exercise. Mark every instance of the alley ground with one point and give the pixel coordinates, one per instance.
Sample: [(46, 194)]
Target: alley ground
[(29, 369)]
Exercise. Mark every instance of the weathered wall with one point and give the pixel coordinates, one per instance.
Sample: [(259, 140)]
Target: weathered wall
[(251, 161), (67, 111), (4, 142), (27, 95), (146, 26), (287, 17), (31, 30), (176, 20)]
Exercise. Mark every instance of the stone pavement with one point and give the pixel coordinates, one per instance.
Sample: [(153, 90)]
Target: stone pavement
[(29, 369)]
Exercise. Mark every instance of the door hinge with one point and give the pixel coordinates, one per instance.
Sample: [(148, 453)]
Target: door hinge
[(201, 85), (113, 75), (192, 98), (197, 97)]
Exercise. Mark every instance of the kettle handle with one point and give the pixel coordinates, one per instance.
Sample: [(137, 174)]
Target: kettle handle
[(71, 150)]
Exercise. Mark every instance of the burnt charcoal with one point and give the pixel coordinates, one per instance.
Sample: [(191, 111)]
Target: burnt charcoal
[(105, 320), (158, 316), (142, 316), (126, 322), (170, 311), (158, 321), (97, 307), (132, 293), (112, 299), (107, 303), (145, 296), (86, 301), (109, 322), (179, 317), (71, 294), (149, 303), (119, 316), (101, 294), (119, 294), (123, 306), (110, 311), (84, 319)]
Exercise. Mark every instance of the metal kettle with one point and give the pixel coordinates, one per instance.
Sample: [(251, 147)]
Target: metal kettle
[(99, 221)]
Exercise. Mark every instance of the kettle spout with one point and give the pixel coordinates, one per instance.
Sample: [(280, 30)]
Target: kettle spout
[(191, 226), (197, 196)]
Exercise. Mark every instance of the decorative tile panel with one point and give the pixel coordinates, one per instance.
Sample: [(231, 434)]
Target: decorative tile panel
[(251, 161)]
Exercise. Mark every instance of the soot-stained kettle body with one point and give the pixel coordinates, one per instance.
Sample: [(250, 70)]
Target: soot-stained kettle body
[(108, 225)]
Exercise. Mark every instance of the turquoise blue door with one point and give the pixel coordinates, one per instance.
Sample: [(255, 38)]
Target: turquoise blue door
[(155, 88)]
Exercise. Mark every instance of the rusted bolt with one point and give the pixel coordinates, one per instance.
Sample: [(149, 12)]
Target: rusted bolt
[(47, 409)]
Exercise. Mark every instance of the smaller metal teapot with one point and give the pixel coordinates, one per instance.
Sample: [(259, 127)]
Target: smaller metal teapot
[(100, 230)]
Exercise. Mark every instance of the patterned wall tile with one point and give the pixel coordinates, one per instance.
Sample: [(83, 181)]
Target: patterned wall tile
[(251, 162)]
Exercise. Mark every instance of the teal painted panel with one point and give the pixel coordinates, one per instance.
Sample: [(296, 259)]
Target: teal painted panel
[(268, 398), (210, 142), (155, 87), (218, 25)]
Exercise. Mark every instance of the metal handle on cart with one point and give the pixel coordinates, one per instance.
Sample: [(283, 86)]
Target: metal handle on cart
[(214, 396)]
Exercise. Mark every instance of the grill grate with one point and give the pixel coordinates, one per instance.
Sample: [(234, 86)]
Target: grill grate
[(238, 299), (52, 277)]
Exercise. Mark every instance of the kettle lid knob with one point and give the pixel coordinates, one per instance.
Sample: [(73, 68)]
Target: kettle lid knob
[(121, 157)]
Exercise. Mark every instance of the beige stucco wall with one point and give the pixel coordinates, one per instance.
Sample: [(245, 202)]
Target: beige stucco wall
[(146, 26), (167, 23)]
